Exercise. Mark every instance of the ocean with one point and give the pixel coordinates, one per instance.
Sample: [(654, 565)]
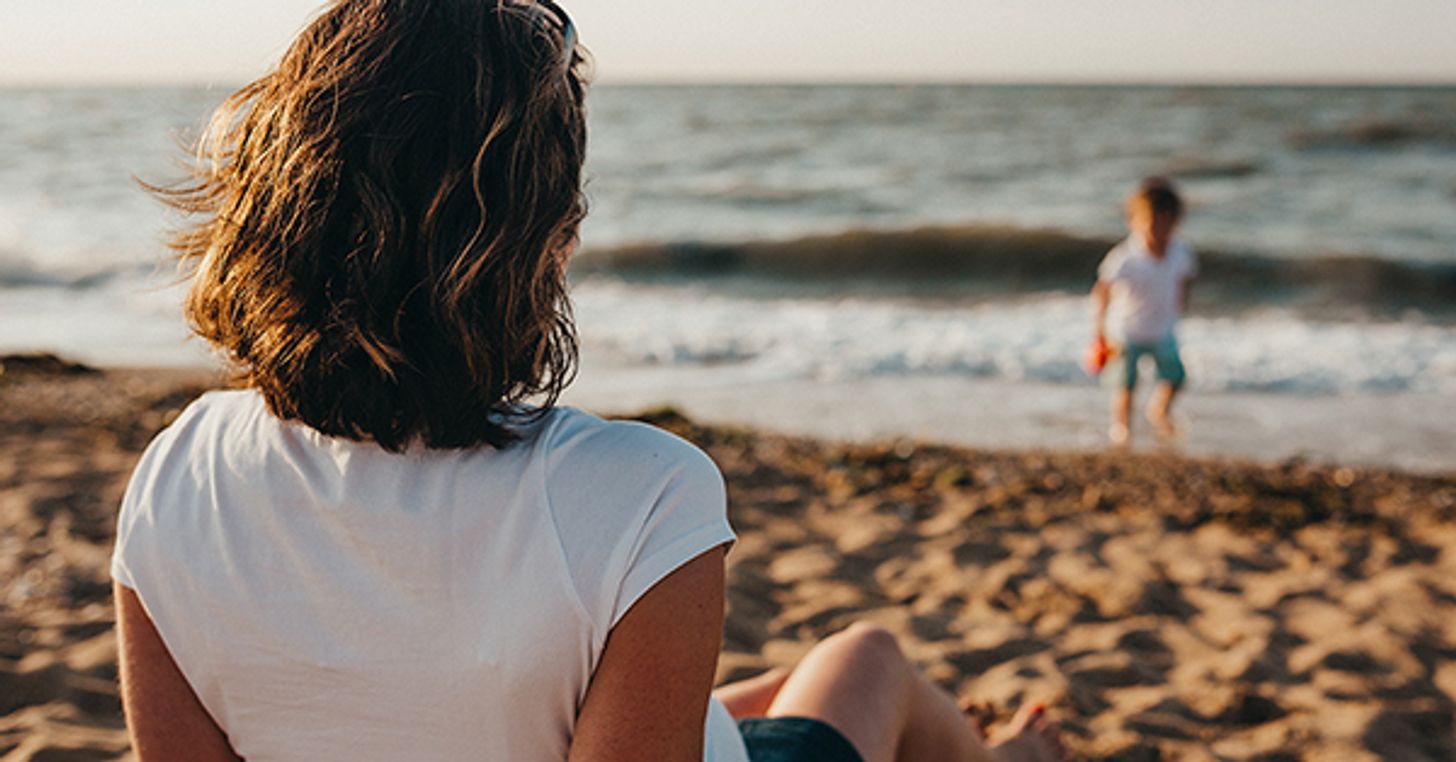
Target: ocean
[(861, 233)]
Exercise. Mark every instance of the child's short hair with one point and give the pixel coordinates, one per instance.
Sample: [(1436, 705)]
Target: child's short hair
[(1158, 195), (386, 219)]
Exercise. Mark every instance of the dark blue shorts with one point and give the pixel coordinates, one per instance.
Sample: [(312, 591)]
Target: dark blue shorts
[(795, 739)]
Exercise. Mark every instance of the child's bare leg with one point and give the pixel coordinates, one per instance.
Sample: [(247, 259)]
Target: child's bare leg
[(1160, 408), (1121, 431), (860, 683), (752, 697)]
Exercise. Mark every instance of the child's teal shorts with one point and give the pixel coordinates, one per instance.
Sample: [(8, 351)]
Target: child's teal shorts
[(1122, 371)]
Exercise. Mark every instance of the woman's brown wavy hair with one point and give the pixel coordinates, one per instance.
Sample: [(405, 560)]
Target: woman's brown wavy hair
[(385, 221)]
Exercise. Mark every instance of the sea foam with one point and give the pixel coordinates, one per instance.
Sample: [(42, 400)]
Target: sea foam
[(1036, 338)]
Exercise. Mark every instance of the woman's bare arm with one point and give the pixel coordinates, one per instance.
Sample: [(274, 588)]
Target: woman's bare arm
[(165, 719), (649, 696)]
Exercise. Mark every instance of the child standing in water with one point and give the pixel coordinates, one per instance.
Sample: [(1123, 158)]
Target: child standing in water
[(1142, 288)]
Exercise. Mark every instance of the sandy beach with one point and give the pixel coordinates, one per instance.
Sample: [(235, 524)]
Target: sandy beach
[(1165, 608)]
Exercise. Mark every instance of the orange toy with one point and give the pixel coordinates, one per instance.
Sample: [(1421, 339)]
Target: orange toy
[(1095, 358)]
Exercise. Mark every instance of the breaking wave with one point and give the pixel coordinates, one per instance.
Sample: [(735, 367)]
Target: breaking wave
[(980, 261)]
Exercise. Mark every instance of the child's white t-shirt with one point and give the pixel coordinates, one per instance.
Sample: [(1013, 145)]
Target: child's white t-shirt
[(329, 600), (1146, 290)]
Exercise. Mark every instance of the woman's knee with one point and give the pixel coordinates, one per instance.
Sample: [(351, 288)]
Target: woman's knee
[(860, 659), (865, 643)]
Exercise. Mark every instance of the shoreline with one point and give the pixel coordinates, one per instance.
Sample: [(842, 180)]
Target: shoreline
[(1408, 432), (1415, 433), (1164, 607)]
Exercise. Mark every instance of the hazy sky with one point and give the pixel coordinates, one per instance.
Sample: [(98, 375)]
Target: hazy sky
[(227, 41)]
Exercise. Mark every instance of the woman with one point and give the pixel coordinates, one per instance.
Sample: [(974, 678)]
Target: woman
[(375, 548)]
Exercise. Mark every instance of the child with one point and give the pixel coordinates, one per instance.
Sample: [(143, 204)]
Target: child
[(390, 543), (1144, 284)]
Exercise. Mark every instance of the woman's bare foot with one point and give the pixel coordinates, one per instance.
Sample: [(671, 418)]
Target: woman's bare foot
[(1030, 737), (977, 715)]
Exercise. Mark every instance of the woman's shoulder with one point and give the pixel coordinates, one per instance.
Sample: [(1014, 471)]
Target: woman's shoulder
[(630, 503), (171, 465), (599, 466), (576, 437), (208, 413)]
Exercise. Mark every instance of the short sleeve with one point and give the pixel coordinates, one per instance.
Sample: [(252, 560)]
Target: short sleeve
[(120, 574), (130, 532), (125, 521), (1190, 263), (1111, 268), (688, 518), (631, 504)]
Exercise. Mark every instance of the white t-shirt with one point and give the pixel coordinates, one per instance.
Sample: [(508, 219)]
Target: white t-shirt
[(1145, 289), (329, 600)]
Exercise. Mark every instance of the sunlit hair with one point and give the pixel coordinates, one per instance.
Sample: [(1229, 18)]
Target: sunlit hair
[(1158, 195), (385, 221)]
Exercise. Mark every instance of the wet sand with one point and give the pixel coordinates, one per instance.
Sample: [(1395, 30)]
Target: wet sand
[(1166, 608), (1407, 431)]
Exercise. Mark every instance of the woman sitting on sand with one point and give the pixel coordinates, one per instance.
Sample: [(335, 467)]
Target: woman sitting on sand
[(376, 549)]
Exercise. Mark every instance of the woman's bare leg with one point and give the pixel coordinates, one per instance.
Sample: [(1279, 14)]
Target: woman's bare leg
[(752, 697), (860, 683)]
